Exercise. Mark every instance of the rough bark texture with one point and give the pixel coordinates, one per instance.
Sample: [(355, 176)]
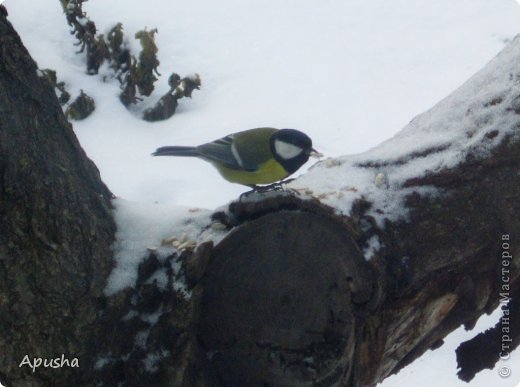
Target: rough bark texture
[(294, 280), (443, 267), (56, 229), (286, 299)]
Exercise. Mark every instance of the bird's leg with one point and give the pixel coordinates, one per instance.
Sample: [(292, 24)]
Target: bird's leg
[(278, 186), (287, 189), (271, 187)]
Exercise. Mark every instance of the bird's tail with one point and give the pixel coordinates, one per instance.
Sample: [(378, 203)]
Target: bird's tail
[(176, 151)]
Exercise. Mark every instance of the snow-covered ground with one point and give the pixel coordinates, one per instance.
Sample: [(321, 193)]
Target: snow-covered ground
[(348, 73)]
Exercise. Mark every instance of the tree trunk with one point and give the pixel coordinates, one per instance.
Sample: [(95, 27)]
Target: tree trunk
[(56, 229), (287, 298)]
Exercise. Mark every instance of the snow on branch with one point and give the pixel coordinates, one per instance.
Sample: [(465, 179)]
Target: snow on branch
[(469, 123)]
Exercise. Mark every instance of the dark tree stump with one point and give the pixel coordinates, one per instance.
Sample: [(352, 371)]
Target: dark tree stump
[(279, 303)]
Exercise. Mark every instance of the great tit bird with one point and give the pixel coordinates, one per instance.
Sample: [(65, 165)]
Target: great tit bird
[(252, 157)]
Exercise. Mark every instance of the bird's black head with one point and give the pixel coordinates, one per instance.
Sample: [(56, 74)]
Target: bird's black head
[(291, 148)]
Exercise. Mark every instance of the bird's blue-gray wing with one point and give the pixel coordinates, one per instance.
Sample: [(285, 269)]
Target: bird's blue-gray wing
[(220, 150)]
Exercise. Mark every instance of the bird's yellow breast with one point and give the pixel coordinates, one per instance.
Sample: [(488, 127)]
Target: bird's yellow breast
[(269, 172)]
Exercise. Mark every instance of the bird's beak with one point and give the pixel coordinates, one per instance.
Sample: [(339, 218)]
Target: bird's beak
[(314, 153)]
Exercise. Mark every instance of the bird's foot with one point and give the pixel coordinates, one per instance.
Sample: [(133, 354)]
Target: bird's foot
[(263, 189), (278, 186)]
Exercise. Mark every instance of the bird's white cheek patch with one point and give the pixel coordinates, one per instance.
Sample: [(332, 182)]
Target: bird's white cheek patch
[(285, 150)]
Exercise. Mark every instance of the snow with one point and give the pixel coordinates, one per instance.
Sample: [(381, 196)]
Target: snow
[(373, 245), (350, 74), (142, 227)]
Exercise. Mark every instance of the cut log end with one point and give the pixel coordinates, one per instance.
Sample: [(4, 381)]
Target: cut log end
[(277, 304)]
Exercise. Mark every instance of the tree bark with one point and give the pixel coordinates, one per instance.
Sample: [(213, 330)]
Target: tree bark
[(56, 229), (285, 299)]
